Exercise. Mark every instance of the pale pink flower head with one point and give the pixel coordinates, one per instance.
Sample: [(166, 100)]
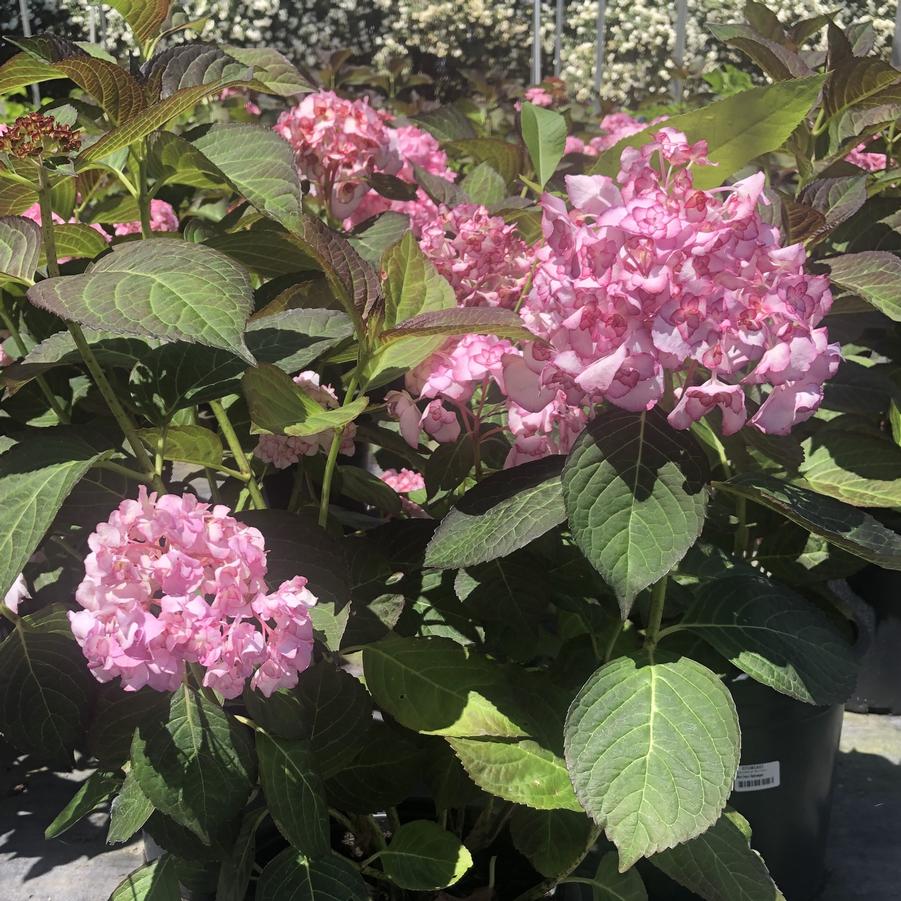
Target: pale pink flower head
[(871, 162), (403, 481), (282, 451), (5, 358), (171, 581), (440, 423), (402, 407), (17, 593), (162, 219)]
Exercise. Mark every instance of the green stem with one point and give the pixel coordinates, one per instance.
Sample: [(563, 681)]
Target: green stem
[(126, 471), (611, 643), (10, 325), (234, 445), (143, 196), (655, 615), (6, 613), (332, 459)]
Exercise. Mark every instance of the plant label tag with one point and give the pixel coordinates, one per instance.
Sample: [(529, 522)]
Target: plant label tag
[(755, 777)]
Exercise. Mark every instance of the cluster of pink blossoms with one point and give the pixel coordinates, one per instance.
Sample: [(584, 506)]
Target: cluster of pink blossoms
[(872, 162), (17, 593), (405, 482), (162, 219), (650, 278), (282, 451), (337, 145), (171, 581), (614, 128)]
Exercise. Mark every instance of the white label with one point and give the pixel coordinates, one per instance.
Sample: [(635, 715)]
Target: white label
[(755, 777)]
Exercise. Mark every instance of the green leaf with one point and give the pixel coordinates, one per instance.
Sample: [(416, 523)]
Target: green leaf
[(197, 767), (144, 17), (273, 72), (130, 810), (292, 877), (387, 229), (115, 717), (447, 123), (260, 166), (736, 129), (190, 65), (439, 189), (389, 362), (237, 868), (435, 686), (36, 476), (775, 636), (186, 443), (22, 70), (78, 241), (861, 83), (503, 156), (544, 133), (91, 793), (846, 527), (608, 884), (362, 486), (412, 285), (777, 61), (523, 772), (484, 185), (503, 513), (462, 321), (294, 792), (422, 856), (553, 840), (720, 865), (155, 881), (159, 288), (448, 465), (635, 494), (172, 159), (861, 470), (278, 406), (20, 248), (874, 275), (652, 749)]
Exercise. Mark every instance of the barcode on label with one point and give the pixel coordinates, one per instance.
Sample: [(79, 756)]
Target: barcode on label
[(752, 777)]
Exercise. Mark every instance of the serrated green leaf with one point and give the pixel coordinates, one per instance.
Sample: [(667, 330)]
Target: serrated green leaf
[(608, 884), (844, 526), (484, 185), (185, 443), (441, 190), (155, 881), (78, 241), (159, 288), (503, 156), (293, 877), (720, 865), (462, 321), (860, 83), (91, 793), (422, 856), (273, 72), (736, 129), (130, 810), (144, 17), (115, 717), (22, 70), (652, 749), (447, 123), (196, 767), (413, 285), (503, 513), (544, 134), (448, 465), (635, 494), (189, 65), (777, 61), (294, 792), (775, 636), (874, 275), (372, 242), (552, 840), (20, 248), (237, 869), (172, 159), (523, 772)]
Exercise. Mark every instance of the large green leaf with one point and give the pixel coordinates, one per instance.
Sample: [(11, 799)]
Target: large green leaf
[(774, 635), (860, 83), (422, 856), (608, 884), (237, 869), (130, 810), (293, 877), (159, 288), (20, 248), (635, 494), (484, 185), (186, 443), (278, 406), (197, 766), (861, 470), (294, 792), (115, 717), (260, 165), (776, 60), (544, 134), (846, 527), (736, 129), (720, 865), (273, 72), (501, 514), (461, 321), (386, 230), (503, 156), (155, 881), (447, 123), (412, 285), (190, 65), (435, 686), (75, 240), (96, 789), (22, 70), (170, 158), (553, 840), (652, 747), (45, 687), (36, 476), (523, 772), (874, 275), (144, 17)]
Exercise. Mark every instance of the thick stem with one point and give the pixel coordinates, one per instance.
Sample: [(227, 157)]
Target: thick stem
[(112, 466), (655, 615), (332, 459), (234, 445)]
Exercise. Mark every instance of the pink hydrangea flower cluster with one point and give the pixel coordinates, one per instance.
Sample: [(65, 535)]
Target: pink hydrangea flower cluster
[(550, 92), (872, 162), (251, 108), (614, 128), (172, 581), (337, 145), (162, 219), (648, 279), (282, 451), (405, 482)]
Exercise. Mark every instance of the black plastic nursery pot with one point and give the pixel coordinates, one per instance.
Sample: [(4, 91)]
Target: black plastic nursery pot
[(879, 680)]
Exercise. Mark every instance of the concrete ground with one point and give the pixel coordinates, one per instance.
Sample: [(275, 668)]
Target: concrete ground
[(864, 849)]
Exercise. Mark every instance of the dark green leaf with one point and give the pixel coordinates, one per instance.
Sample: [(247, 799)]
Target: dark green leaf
[(273, 72), (544, 133), (237, 868), (20, 248), (874, 275), (293, 877), (422, 856), (447, 123), (96, 789), (130, 810), (553, 840), (155, 881), (462, 321), (484, 185)]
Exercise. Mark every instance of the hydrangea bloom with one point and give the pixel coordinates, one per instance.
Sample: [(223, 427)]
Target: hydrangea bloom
[(650, 278), (404, 482), (17, 593), (337, 145), (282, 451), (872, 162), (5, 358), (162, 219), (171, 581)]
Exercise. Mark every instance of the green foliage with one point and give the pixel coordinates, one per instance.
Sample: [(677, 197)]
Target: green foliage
[(423, 856)]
